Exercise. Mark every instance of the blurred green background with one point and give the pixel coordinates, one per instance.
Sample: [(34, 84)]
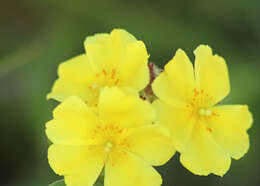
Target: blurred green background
[(36, 36)]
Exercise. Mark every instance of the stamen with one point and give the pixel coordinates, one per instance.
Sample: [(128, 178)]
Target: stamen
[(215, 114), (116, 82), (196, 92), (113, 73), (104, 71), (108, 137)]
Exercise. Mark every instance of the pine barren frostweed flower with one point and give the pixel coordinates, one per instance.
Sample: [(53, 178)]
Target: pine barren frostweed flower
[(206, 135), (115, 59), (120, 137)]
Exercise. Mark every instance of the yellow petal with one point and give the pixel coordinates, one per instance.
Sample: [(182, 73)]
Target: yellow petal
[(122, 36), (211, 73), (80, 165), (97, 39), (152, 143), (130, 91), (126, 110), (74, 77), (107, 51), (229, 128), (177, 120), (134, 70), (73, 123), (63, 89), (175, 85), (99, 50), (203, 156), (129, 170)]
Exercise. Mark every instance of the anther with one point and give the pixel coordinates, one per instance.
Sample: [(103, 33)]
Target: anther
[(196, 92), (104, 71), (113, 73), (116, 82)]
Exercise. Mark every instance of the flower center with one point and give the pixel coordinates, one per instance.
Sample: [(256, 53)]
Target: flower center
[(204, 112), (110, 137), (112, 140), (105, 78), (199, 103), (199, 107), (101, 79), (108, 147)]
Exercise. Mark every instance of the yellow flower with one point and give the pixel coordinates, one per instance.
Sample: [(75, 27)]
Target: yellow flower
[(115, 59), (206, 135), (120, 137)]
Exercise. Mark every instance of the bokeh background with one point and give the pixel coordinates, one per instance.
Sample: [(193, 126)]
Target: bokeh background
[(35, 36)]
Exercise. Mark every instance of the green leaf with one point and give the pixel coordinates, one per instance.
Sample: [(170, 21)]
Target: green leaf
[(100, 180), (58, 183)]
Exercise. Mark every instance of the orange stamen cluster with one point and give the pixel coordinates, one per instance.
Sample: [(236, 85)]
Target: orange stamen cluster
[(108, 129), (111, 139), (106, 78), (103, 78), (199, 106), (200, 99)]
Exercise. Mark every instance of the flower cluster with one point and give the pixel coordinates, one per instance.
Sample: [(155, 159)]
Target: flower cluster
[(116, 116)]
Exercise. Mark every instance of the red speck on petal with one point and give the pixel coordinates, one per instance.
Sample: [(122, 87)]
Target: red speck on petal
[(113, 73), (104, 71), (116, 82), (215, 114)]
